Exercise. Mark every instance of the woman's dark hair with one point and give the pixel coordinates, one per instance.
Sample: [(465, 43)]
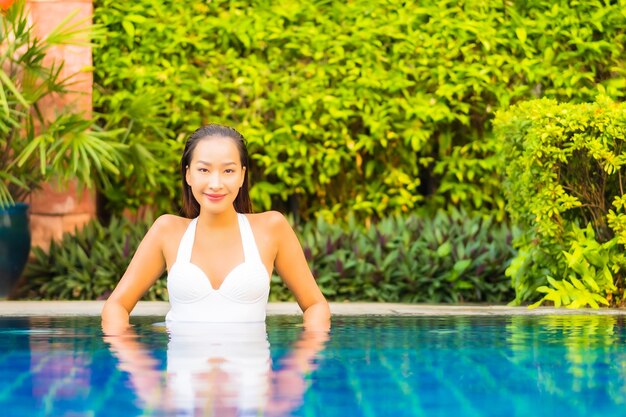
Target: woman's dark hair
[(242, 203)]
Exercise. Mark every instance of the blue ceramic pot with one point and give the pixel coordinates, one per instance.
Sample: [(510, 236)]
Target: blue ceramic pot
[(14, 245)]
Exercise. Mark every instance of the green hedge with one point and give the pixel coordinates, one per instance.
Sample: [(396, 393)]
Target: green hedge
[(365, 107), (87, 264), (449, 258), (565, 181)]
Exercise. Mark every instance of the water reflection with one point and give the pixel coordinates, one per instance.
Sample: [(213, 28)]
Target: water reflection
[(391, 366), (218, 369), (571, 354)]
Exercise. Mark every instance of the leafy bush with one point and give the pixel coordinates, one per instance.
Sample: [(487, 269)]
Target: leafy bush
[(38, 145), (86, 265), (565, 188), (365, 107), (449, 258)]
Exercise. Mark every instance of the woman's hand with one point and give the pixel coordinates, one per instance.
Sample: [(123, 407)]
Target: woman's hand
[(317, 317), (114, 319)]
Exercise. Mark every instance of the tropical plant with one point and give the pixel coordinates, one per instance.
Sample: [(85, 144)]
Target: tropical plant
[(565, 171), (365, 107), (36, 145), (450, 257), (87, 264)]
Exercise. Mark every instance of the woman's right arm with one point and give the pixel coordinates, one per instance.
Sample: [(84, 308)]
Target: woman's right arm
[(144, 269)]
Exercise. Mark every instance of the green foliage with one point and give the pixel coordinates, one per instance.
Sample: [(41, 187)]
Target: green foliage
[(365, 107), (588, 273), (565, 188), (36, 144), (88, 264), (448, 258), (616, 219)]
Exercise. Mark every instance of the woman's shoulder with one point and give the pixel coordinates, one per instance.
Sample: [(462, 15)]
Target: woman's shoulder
[(270, 228), (270, 219), (170, 223), (270, 222)]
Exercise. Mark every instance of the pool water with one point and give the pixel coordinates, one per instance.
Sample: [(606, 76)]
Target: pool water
[(367, 366)]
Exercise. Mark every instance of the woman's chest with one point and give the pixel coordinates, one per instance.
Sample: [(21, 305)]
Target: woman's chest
[(216, 256)]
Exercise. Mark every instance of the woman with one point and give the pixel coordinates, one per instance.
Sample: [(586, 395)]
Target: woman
[(219, 256)]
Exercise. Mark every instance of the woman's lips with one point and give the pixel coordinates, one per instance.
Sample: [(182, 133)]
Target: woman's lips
[(215, 197)]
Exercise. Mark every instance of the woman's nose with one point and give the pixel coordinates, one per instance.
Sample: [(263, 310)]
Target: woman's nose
[(215, 181)]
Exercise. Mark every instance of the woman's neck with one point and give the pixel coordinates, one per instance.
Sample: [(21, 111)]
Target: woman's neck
[(223, 220)]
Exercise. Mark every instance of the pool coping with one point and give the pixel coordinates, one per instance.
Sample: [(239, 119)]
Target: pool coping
[(160, 308)]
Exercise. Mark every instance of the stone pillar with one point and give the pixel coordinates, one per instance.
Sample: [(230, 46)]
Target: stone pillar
[(59, 208)]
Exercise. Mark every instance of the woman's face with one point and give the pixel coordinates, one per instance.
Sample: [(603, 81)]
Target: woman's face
[(215, 173)]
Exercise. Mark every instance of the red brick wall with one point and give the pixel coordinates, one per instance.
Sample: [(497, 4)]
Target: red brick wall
[(60, 208)]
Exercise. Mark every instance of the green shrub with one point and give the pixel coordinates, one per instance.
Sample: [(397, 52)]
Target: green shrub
[(565, 189), (86, 265), (449, 258), (367, 107)]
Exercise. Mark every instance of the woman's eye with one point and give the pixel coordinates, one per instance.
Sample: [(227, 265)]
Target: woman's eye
[(229, 171), (203, 170)]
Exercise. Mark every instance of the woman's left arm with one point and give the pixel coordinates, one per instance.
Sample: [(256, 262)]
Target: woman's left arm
[(292, 267)]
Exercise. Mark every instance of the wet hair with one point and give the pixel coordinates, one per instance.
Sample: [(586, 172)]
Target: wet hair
[(242, 203)]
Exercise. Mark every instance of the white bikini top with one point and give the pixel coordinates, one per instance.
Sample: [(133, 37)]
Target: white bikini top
[(242, 296)]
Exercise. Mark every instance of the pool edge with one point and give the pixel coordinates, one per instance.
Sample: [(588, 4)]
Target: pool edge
[(160, 308)]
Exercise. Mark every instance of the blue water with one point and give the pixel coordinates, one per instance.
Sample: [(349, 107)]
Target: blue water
[(367, 366)]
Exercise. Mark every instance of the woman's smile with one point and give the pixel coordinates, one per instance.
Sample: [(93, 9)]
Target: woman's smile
[(215, 197)]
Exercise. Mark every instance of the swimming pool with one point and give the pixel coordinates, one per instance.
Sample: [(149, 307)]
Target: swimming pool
[(367, 366)]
